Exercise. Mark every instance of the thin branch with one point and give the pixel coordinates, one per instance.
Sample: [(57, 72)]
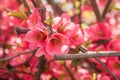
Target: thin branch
[(57, 10), (20, 30), (8, 58), (86, 55), (103, 65), (80, 14), (13, 68), (42, 12), (34, 3), (69, 72), (96, 10), (39, 3), (107, 69), (41, 66), (26, 5), (106, 8)]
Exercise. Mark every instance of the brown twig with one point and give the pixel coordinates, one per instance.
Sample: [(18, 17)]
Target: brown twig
[(34, 3), (8, 58), (80, 14), (26, 5), (96, 10), (57, 10), (106, 8), (41, 66), (20, 30), (69, 72), (103, 65), (86, 55), (107, 69), (13, 68)]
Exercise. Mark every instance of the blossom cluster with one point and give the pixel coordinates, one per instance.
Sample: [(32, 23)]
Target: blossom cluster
[(57, 40)]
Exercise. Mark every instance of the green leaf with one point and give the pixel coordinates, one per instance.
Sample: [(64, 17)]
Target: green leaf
[(50, 20), (20, 14), (74, 62)]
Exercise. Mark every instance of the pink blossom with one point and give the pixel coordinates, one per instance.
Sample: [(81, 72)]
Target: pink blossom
[(33, 19), (105, 78), (36, 38), (99, 31), (57, 44), (114, 45), (86, 77), (64, 25), (41, 51), (114, 64), (17, 60), (77, 37)]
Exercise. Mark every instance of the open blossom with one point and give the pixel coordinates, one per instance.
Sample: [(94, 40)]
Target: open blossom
[(36, 38), (33, 19), (64, 25), (72, 31), (99, 31), (17, 60), (77, 37), (114, 64), (114, 45), (57, 44)]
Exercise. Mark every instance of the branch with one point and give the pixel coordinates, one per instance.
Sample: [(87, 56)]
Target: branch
[(80, 14), (40, 67), (69, 72), (20, 30), (56, 9), (96, 10), (26, 5), (86, 55), (8, 58), (103, 65), (13, 68), (106, 8), (34, 3), (107, 69)]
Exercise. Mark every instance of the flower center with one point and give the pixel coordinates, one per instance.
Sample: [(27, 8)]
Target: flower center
[(61, 27), (117, 65), (41, 36), (100, 33), (55, 41)]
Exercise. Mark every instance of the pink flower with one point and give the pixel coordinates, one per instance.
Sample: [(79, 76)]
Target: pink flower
[(99, 31), (57, 44), (105, 77), (36, 38), (19, 59), (41, 51), (114, 45), (33, 19), (114, 64), (64, 25), (86, 77), (77, 37)]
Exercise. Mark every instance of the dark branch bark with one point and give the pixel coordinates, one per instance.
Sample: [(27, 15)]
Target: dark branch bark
[(69, 72), (87, 55), (41, 66), (8, 58), (106, 8), (20, 30), (96, 10)]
